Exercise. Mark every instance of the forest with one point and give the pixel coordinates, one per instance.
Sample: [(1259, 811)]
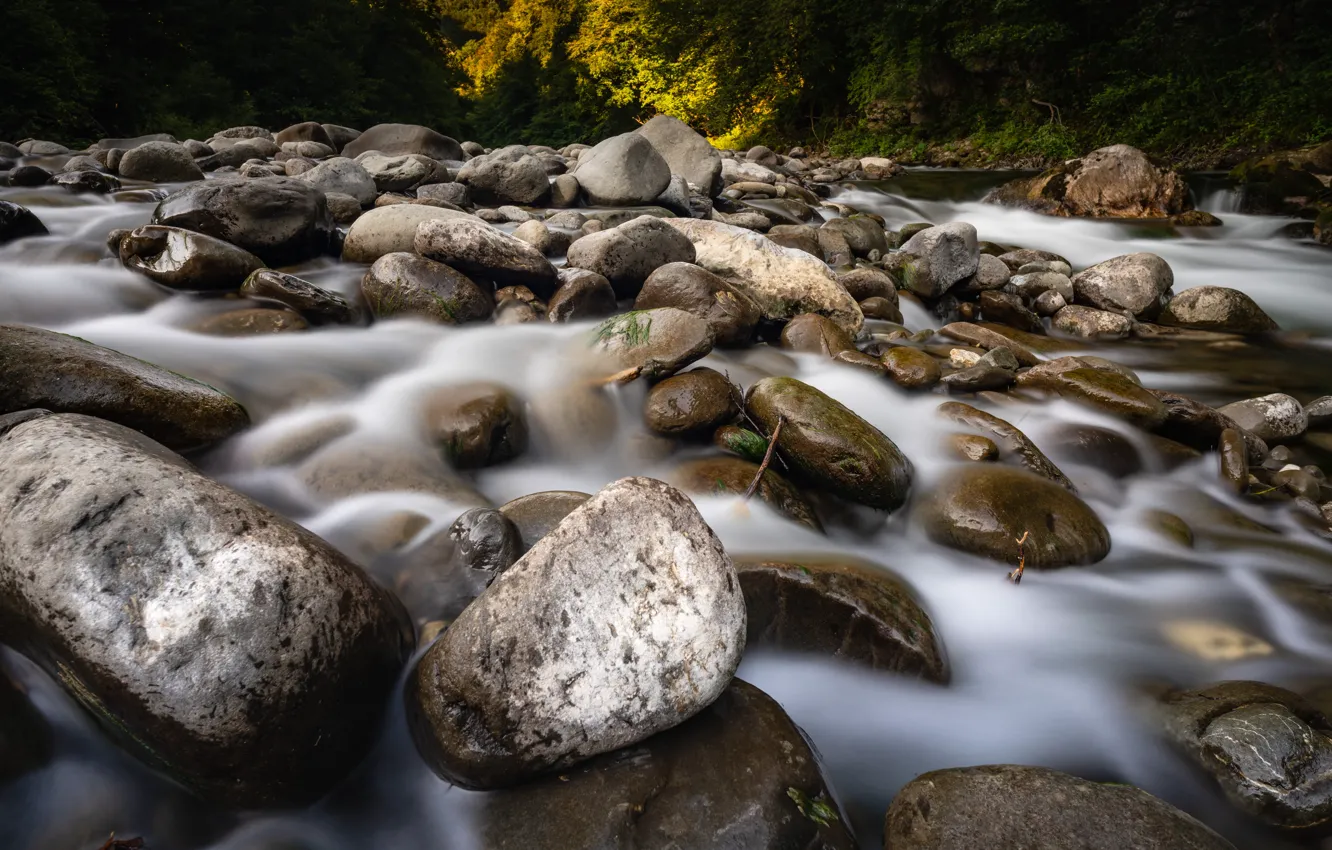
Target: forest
[(1036, 79)]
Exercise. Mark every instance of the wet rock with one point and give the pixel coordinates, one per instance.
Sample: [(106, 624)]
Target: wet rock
[(656, 342), (354, 467), (404, 284), (865, 282), (1215, 308), (1010, 439), (1020, 257), (1032, 284), (1112, 182), (281, 220), (476, 424), (537, 514), (1270, 417), (988, 339), (826, 443), (344, 176), (692, 404), (315, 303), (1267, 748), (801, 237), (628, 254), (991, 273), (582, 295), (255, 321), (1100, 448), (398, 139), (853, 611), (863, 235), (1089, 323), (486, 544), (185, 260), (911, 368), (739, 774), (476, 249), (1112, 393), (392, 229), (733, 476), (979, 378), (1135, 283), (783, 282), (18, 222), (984, 508), (64, 374), (881, 308), (948, 254), (685, 152), (1012, 806), (1049, 303), (1195, 424), (973, 447), (86, 182), (730, 313), (29, 175), (1008, 308), (623, 170), (1234, 465), (195, 660), (159, 162), (507, 176), (563, 658), (815, 334)]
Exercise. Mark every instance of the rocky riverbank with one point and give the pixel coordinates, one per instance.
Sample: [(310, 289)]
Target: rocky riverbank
[(578, 650)]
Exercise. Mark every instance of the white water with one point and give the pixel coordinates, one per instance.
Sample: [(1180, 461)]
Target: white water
[(1043, 673)]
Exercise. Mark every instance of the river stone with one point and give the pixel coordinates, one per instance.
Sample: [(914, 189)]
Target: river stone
[(1234, 467), (27, 176), (1008, 308), (656, 342), (1132, 282), (353, 467), (624, 621), (475, 248), (984, 508), (738, 775), (1113, 182), (1090, 323), (403, 284), (18, 222), (1005, 806), (220, 642), (815, 334), (313, 302), (476, 424), (65, 374), (801, 237), (853, 611), (988, 339), (949, 253), (623, 170), (863, 234), (159, 162), (254, 321), (1195, 424), (1270, 417), (981, 377), (732, 315), (1111, 393), (79, 182), (397, 139), (1268, 748), (485, 544), (686, 152), (826, 443), (733, 476), (911, 368), (281, 220), (387, 230), (398, 173), (1216, 308), (784, 282), (344, 176), (692, 404), (339, 137), (991, 273), (582, 295), (1013, 443), (508, 176), (628, 254), (306, 131), (185, 260), (537, 514)]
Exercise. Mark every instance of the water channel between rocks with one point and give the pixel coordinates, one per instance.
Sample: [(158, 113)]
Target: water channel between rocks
[(1045, 673)]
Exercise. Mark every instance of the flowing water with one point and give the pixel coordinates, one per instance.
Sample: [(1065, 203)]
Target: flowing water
[(1050, 672)]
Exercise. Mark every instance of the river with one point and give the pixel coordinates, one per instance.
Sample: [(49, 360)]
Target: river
[(1046, 672)]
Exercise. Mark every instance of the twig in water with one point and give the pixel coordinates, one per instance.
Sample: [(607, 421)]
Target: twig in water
[(767, 458), (1016, 575), (621, 377)]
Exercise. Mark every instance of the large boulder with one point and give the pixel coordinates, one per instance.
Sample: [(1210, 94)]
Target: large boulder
[(784, 282), (19, 222), (624, 621), (281, 220), (508, 176), (1216, 308), (217, 640), (827, 444), (398, 173), (64, 374), (1002, 806), (1136, 283), (159, 162), (402, 284), (623, 171), (343, 176), (404, 139), (628, 254), (306, 131), (1114, 182), (386, 230), (185, 260), (483, 252), (945, 255), (686, 152), (732, 315)]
